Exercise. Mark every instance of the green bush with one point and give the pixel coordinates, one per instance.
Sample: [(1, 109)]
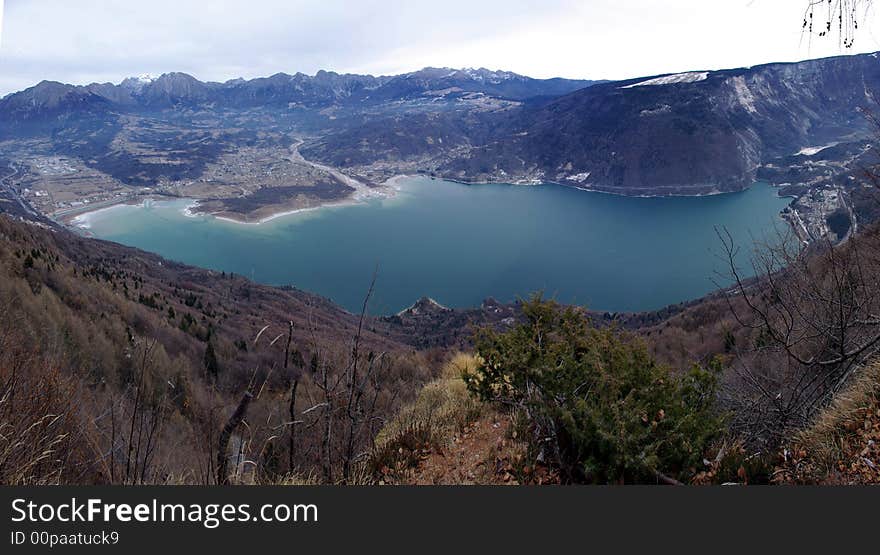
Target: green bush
[(598, 405)]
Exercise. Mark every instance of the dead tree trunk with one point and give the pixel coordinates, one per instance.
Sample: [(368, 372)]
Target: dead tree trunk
[(292, 445), (223, 445), (292, 409)]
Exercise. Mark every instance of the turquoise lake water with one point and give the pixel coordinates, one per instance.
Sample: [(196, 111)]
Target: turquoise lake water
[(460, 244)]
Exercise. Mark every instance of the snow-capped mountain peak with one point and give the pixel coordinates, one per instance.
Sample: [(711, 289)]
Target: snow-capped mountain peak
[(139, 82)]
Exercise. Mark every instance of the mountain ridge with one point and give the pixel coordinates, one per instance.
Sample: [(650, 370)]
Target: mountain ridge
[(182, 85), (689, 133), (653, 135)]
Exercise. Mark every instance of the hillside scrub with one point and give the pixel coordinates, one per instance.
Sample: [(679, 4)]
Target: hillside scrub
[(442, 407), (812, 322), (842, 445), (595, 402), (119, 367), (40, 431), (104, 376)]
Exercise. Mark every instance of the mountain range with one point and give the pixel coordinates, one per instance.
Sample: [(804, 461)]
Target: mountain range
[(48, 99), (696, 132), (690, 133)]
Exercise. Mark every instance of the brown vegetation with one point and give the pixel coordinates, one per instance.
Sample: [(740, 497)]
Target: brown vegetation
[(842, 446), (448, 437), (813, 320), (120, 367), (117, 366)]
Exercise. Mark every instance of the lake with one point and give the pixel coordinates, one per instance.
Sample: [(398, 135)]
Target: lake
[(460, 244)]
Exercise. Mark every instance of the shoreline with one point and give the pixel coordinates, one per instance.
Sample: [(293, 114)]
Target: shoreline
[(78, 218), (273, 216), (588, 189), (70, 217), (389, 188)]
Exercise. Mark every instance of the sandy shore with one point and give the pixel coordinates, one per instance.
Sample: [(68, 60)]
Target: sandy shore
[(387, 189), (81, 218), (275, 215)]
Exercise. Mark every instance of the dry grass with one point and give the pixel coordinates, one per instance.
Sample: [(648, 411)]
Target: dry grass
[(29, 453), (843, 444), (36, 428), (442, 408), (360, 476), (448, 437)]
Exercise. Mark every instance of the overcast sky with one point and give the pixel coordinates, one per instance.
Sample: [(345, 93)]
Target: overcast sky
[(81, 41)]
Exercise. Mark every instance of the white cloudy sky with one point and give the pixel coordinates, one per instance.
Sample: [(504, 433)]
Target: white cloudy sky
[(81, 41)]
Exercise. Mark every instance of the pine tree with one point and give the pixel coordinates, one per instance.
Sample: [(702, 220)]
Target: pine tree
[(212, 365)]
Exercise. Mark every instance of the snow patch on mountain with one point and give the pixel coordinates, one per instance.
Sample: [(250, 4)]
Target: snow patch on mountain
[(689, 77), (813, 150), (579, 177), (139, 82), (662, 109), (484, 74)]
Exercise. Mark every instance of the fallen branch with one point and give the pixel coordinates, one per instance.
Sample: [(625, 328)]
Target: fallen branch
[(664, 479)]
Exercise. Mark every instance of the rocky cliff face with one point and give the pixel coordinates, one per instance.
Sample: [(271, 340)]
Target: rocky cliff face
[(46, 103), (690, 133), (709, 134)]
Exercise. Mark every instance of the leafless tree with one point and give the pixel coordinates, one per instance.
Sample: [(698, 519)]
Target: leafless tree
[(348, 387), (824, 18), (342, 387), (359, 405), (815, 318), (142, 411)]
